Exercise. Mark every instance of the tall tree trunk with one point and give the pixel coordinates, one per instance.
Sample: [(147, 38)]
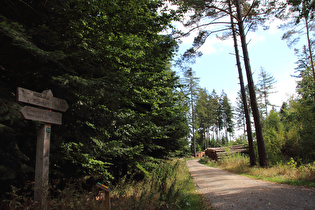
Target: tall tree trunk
[(217, 139), (245, 122), (193, 133), (310, 47), (266, 104), (192, 118), (263, 160), (252, 156), (226, 136), (205, 138)]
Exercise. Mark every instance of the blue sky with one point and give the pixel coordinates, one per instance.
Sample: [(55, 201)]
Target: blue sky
[(217, 70)]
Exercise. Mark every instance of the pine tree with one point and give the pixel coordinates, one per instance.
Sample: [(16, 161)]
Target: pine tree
[(305, 86), (191, 92), (301, 23), (242, 95), (227, 116), (239, 113), (265, 85), (263, 160), (202, 116)]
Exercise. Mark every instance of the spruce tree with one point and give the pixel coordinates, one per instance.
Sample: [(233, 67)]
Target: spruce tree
[(265, 85)]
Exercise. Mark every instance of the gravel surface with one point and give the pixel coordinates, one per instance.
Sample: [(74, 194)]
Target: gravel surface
[(225, 190)]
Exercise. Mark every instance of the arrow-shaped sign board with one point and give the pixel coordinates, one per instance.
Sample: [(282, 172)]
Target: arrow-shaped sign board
[(44, 99), (42, 115)]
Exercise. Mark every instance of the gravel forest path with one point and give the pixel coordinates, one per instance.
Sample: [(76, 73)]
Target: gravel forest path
[(224, 190)]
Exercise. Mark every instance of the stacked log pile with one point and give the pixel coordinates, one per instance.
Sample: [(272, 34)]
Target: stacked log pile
[(218, 152), (200, 154)]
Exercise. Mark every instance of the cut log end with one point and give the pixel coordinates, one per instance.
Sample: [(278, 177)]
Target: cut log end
[(217, 153)]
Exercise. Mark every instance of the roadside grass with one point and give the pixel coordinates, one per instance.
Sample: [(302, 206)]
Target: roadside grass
[(285, 173), (169, 186)]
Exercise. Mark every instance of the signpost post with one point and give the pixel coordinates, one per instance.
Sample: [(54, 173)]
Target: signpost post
[(107, 196), (42, 166), (45, 100)]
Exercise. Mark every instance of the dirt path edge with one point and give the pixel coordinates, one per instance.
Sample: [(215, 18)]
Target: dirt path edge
[(225, 190)]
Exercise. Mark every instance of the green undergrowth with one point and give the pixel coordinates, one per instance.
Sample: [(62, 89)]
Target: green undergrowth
[(285, 173), (168, 186)]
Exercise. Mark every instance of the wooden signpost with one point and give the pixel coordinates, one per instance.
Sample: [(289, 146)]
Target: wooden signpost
[(44, 100), (107, 196), (42, 115)]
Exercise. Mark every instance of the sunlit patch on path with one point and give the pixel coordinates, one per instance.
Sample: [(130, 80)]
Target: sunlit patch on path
[(225, 190)]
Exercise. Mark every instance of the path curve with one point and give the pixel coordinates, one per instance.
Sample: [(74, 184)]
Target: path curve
[(225, 190)]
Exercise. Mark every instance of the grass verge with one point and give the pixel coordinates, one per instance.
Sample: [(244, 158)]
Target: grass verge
[(285, 173), (169, 186)]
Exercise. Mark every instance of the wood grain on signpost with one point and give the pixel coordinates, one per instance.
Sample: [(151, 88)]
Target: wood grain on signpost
[(42, 166), (42, 115), (44, 99)]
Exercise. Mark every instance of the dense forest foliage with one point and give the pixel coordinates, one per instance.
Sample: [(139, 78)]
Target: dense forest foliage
[(111, 61), (108, 60)]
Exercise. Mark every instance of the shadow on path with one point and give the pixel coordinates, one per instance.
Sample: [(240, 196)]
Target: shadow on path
[(225, 190)]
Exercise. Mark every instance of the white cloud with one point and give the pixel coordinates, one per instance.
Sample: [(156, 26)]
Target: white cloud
[(255, 37), (208, 49), (285, 89), (213, 45)]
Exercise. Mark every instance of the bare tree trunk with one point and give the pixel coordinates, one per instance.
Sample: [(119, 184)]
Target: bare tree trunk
[(204, 135), (190, 75), (226, 138), (263, 160), (252, 156), (216, 142), (309, 47), (192, 122), (245, 121)]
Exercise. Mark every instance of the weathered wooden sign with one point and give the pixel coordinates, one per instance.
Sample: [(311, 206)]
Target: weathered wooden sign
[(44, 99), (107, 196), (42, 115)]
